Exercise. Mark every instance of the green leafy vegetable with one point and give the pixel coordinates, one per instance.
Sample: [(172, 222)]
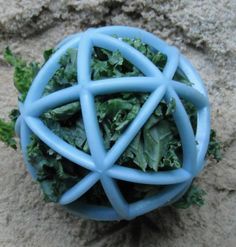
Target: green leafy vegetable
[(7, 133), (66, 75), (194, 196), (47, 54), (156, 142), (24, 73), (54, 173), (171, 107), (214, 148), (14, 114)]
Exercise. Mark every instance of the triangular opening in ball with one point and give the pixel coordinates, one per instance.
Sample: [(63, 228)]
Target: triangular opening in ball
[(67, 123), (55, 173), (66, 75), (134, 192), (94, 196), (110, 64)]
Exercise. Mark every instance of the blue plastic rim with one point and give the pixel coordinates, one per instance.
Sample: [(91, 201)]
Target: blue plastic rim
[(101, 163)]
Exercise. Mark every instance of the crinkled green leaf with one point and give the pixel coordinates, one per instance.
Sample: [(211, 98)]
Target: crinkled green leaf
[(54, 173), (136, 153), (116, 58), (24, 73), (194, 196), (171, 107), (214, 148), (64, 112), (66, 75), (14, 114), (7, 134), (74, 134), (47, 54), (11, 58), (156, 141)]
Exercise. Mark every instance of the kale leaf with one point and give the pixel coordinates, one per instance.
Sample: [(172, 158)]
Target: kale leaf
[(7, 133), (54, 173), (24, 73), (214, 148), (194, 196)]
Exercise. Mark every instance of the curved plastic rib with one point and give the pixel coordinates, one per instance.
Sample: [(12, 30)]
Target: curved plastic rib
[(190, 94), (157, 178), (79, 189), (58, 145), (131, 54), (185, 131), (172, 62), (202, 136), (204, 120), (25, 140), (18, 126), (159, 200), (181, 193), (145, 112), (115, 197), (124, 84), (91, 126), (53, 100), (67, 39), (192, 75), (93, 212), (84, 59)]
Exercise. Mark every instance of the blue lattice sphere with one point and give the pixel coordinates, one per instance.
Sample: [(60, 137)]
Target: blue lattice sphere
[(102, 164)]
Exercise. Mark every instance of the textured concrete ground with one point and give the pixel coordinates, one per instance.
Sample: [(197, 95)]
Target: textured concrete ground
[(205, 31)]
